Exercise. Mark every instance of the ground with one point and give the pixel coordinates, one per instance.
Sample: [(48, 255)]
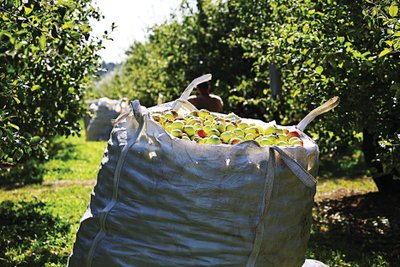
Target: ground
[(39, 215)]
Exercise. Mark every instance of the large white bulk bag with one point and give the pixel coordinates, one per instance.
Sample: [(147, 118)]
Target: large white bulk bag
[(163, 201), (104, 111)]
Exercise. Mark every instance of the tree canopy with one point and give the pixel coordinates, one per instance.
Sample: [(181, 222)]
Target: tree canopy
[(320, 48), (47, 55)]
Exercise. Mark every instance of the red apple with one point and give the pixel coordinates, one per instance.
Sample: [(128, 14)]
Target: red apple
[(201, 133), (293, 134)]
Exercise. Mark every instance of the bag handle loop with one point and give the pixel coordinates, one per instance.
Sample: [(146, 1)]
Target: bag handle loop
[(135, 108), (327, 106), (182, 100), (304, 176)]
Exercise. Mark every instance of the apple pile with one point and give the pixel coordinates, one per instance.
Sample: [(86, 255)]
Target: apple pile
[(205, 127)]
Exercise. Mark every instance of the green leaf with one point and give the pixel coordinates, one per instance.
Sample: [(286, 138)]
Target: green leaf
[(27, 10), (384, 52), (319, 69), (76, 36), (306, 28), (13, 125), (24, 31), (42, 42), (17, 100), (393, 11), (35, 87), (396, 44), (68, 25), (35, 140), (389, 43), (18, 154)]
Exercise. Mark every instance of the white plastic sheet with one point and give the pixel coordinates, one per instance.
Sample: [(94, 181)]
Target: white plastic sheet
[(103, 111)]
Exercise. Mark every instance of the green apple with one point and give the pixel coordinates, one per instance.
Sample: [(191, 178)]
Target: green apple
[(214, 131), (213, 140), (227, 136), (207, 129), (185, 137), (250, 136), (282, 131), (166, 123), (219, 119), (230, 126), (189, 129), (282, 137), (197, 126), (168, 128), (272, 138), (259, 138), (252, 129), (176, 132), (295, 141), (169, 116), (209, 118), (220, 126), (207, 122), (269, 130), (282, 143), (178, 124), (194, 121), (203, 113), (242, 125), (239, 132), (266, 142)]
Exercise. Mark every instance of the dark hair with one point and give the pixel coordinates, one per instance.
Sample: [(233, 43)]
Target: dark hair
[(203, 85)]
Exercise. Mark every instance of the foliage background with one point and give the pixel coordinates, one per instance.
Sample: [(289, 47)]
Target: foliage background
[(47, 57), (321, 49)]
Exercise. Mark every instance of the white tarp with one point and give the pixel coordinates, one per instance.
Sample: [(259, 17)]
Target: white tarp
[(103, 111)]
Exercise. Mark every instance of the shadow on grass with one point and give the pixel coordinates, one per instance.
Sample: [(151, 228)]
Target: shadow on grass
[(63, 151), (30, 172), (30, 235), (344, 166), (361, 229)]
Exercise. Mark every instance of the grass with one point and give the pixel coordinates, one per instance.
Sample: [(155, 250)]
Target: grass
[(62, 197), (353, 225)]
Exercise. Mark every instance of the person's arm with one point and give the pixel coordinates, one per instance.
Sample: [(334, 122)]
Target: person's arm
[(220, 104), (192, 100)]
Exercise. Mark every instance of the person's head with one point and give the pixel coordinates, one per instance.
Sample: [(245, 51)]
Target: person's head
[(204, 88)]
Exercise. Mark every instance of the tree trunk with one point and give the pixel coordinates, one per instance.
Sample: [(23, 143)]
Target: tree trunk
[(384, 181)]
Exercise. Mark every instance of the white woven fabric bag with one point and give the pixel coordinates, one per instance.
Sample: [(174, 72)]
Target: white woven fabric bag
[(163, 201)]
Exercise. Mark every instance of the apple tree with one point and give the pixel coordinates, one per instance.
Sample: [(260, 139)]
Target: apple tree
[(327, 48), (46, 57)]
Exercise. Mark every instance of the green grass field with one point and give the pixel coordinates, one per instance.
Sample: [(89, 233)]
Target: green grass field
[(353, 225)]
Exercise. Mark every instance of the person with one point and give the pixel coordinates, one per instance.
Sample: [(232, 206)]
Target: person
[(205, 100)]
